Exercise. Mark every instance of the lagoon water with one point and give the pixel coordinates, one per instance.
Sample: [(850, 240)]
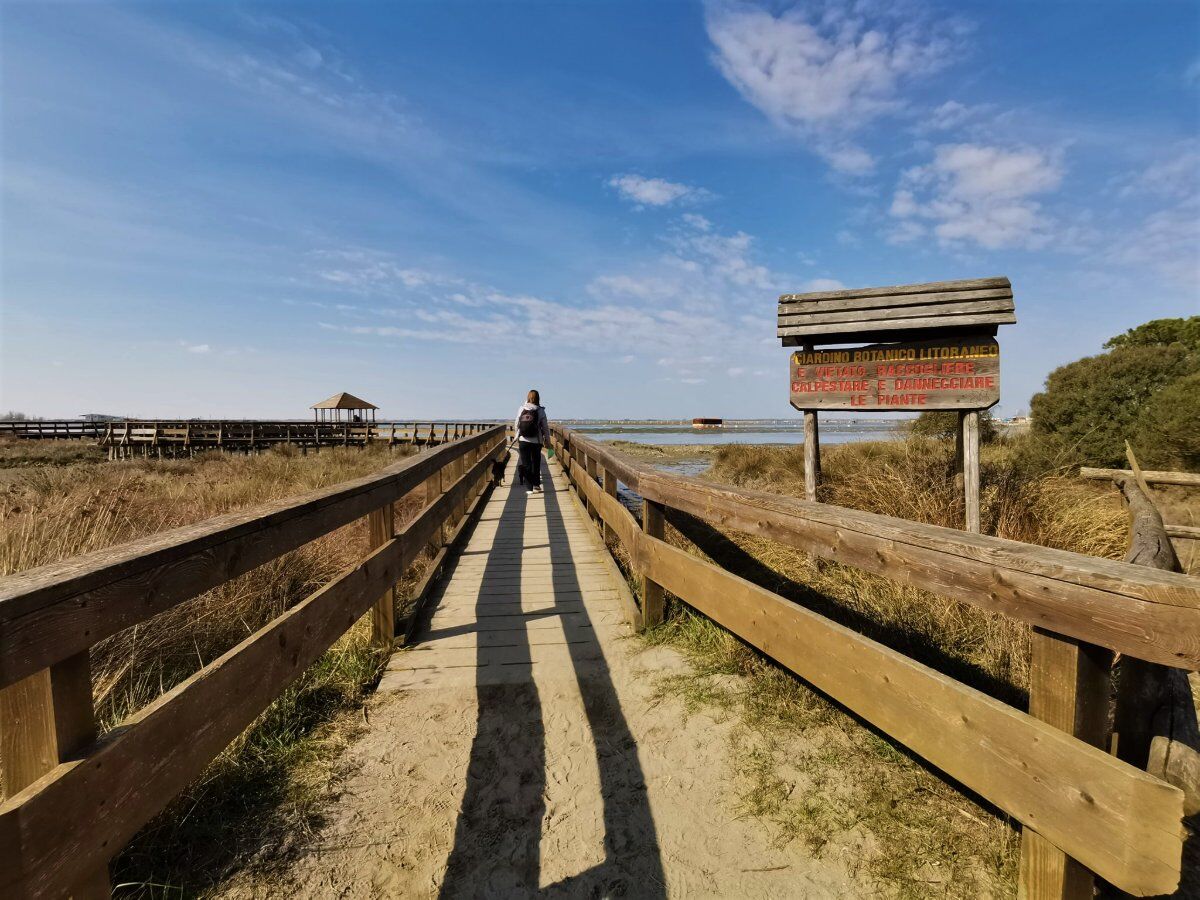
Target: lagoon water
[(739, 431)]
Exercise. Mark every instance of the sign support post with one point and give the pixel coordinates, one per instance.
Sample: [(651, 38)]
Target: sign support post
[(812, 450), (970, 458), (812, 455)]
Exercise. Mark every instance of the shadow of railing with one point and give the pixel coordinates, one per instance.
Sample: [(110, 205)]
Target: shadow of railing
[(497, 840)]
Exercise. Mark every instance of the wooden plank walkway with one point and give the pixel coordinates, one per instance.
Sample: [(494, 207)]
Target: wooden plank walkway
[(523, 748), (531, 588)]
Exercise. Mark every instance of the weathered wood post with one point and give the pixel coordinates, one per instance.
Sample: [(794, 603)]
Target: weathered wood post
[(1155, 723), (610, 488), (45, 719), (653, 601), (460, 509), (1069, 689), (812, 455), (969, 422), (812, 449), (593, 474), (381, 525)]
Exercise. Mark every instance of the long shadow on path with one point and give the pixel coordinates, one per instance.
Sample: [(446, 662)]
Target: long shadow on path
[(497, 841)]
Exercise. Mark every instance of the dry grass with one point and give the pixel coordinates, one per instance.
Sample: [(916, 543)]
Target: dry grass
[(264, 786), (806, 765)]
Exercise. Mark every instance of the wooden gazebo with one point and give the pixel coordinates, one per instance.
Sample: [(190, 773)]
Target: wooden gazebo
[(355, 408)]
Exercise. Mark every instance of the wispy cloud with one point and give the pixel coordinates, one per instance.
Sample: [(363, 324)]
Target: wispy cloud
[(826, 70), (1165, 237), (644, 192), (977, 194), (693, 295)]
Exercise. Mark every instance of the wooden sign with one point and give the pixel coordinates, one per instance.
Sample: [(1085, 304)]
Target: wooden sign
[(960, 372)]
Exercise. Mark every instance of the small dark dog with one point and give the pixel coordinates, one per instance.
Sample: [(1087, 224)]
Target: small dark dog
[(498, 467)]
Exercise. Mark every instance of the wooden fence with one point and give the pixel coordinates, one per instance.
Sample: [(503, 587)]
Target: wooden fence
[(1083, 810), (169, 437), (72, 802)]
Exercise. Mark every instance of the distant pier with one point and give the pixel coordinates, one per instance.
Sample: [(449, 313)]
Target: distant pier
[(184, 438)]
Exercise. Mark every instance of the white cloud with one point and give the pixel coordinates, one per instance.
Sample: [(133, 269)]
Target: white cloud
[(1178, 175), (654, 191), (1165, 235), (821, 284), (648, 287), (702, 305), (1167, 241), (825, 70), (953, 115), (974, 193), (198, 348)]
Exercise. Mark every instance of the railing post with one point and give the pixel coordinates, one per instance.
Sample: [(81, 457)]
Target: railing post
[(610, 488), (1069, 689), (45, 719), (381, 525), (592, 474), (653, 526), (460, 469)]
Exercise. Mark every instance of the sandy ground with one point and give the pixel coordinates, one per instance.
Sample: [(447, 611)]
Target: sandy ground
[(573, 779)]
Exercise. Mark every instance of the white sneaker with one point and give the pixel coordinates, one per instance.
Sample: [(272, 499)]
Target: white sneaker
[(530, 491)]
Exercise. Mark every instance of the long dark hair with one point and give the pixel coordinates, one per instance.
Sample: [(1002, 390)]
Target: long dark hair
[(535, 398)]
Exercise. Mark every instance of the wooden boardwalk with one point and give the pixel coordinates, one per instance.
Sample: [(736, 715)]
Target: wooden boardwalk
[(532, 588)]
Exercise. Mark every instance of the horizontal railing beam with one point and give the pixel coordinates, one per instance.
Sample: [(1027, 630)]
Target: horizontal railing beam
[(1117, 820), (1187, 479), (49, 613), (1142, 612)]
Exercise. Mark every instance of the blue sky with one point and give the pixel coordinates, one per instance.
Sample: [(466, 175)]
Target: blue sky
[(218, 209)]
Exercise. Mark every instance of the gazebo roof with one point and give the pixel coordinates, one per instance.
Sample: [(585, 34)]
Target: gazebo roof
[(344, 401)]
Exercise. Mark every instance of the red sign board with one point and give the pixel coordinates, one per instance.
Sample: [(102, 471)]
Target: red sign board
[(953, 373)]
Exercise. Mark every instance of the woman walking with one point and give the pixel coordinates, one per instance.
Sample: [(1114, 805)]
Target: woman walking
[(533, 433)]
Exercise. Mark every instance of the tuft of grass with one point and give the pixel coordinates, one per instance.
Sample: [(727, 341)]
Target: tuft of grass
[(21, 453), (263, 788), (818, 775)]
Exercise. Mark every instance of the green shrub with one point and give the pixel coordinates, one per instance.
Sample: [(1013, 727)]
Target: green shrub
[(1159, 333), (1092, 406), (1167, 435), (944, 425)]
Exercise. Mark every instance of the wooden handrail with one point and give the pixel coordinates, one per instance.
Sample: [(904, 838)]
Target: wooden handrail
[(1187, 479), (1044, 770), (51, 612), (58, 831), (1150, 614)]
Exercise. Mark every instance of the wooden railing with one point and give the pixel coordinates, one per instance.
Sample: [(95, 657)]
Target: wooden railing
[(1083, 810), (238, 434), (52, 429), (72, 802)]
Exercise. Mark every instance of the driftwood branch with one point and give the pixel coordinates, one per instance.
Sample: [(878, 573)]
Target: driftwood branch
[(1149, 544), (1156, 713)]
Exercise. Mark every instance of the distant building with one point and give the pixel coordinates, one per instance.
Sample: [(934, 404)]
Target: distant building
[(100, 417), (708, 423), (344, 407)]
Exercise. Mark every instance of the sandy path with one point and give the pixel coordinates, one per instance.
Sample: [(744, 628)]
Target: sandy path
[(520, 750)]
